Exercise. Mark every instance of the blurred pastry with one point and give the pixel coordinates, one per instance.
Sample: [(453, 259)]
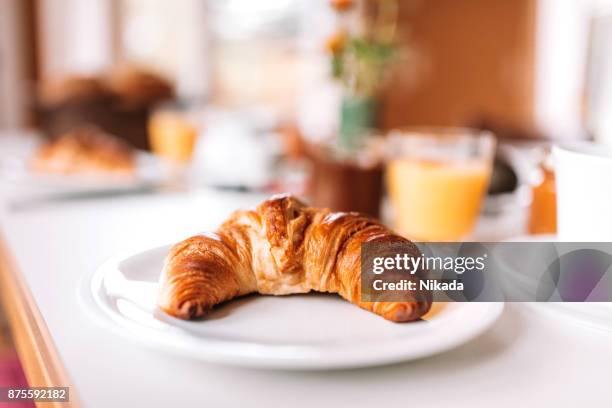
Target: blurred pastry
[(118, 102), (282, 247), (138, 87), (86, 151), (72, 90)]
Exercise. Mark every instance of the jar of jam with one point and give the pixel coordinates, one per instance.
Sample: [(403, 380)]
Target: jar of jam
[(543, 210)]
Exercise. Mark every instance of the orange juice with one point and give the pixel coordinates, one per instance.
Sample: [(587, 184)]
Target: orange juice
[(172, 136), (436, 201)]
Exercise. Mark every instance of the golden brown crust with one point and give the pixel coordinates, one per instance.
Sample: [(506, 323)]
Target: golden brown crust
[(282, 247), (134, 86), (85, 151), (72, 89)]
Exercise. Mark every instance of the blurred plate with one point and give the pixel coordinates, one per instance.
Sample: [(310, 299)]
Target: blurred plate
[(314, 331), (595, 314), (15, 153)]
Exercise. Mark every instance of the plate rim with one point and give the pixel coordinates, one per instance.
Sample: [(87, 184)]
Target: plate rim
[(150, 171)]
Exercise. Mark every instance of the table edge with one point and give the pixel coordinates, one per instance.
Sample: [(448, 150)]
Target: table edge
[(39, 357)]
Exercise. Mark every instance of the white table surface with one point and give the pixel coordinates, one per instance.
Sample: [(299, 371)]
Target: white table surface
[(528, 358)]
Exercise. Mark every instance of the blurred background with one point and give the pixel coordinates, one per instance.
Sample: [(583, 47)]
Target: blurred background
[(294, 95), (523, 65)]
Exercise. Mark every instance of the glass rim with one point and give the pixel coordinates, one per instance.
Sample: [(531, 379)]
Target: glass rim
[(451, 143), (442, 133), (369, 152)]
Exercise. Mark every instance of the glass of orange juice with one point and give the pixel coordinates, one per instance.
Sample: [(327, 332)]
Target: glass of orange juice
[(172, 133), (437, 178)]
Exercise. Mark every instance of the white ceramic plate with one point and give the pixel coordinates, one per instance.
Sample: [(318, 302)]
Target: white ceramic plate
[(312, 331), (16, 152)]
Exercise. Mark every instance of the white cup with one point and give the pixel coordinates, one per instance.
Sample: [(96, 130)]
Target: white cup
[(584, 192)]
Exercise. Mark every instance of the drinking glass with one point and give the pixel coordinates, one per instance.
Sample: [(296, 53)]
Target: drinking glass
[(173, 133), (437, 178)]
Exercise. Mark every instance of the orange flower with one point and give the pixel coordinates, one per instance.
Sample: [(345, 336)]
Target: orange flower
[(335, 43), (341, 5)]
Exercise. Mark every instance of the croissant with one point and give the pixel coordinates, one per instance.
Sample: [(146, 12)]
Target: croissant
[(85, 151), (282, 247)]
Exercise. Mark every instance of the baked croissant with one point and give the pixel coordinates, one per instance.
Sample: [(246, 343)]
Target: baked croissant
[(86, 151), (282, 247)]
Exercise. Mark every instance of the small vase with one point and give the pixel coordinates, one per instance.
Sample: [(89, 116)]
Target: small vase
[(358, 117)]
